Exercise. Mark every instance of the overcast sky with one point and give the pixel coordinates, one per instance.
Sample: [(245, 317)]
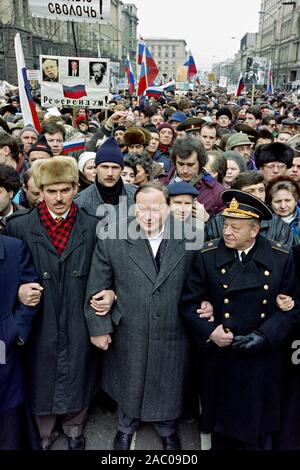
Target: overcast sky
[(206, 26)]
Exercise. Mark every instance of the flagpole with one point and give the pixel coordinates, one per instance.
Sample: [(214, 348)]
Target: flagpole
[(74, 37), (252, 94)]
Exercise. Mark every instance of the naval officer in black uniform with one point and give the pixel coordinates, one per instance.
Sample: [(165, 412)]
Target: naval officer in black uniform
[(241, 274)]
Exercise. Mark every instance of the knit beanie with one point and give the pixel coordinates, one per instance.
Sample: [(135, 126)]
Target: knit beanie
[(29, 127), (166, 125), (84, 158), (109, 152)]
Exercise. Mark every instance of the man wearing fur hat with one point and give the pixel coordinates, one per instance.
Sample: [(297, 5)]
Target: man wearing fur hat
[(64, 367), (136, 139), (274, 160), (108, 187)]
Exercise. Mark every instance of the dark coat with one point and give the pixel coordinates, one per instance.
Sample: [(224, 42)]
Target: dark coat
[(274, 229), (288, 437), (16, 268), (209, 191), (144, 368), (64, 366), (241, 392), (90, 198)]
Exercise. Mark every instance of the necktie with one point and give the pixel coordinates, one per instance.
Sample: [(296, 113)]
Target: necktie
[(59, 219), (243, 257)]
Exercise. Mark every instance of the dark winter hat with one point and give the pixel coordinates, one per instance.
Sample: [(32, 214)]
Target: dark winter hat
[(224, 112), (275, 152), (176, 189), (166, 125), (137, 136), (178, 117), (109, 152), (119, 128), (41, 145)]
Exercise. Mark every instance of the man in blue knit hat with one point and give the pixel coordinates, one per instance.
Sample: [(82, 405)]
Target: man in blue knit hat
[(108, 186)]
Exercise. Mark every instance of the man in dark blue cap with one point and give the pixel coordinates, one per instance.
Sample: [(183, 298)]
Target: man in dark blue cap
[(182, 196), (241, 274), (183, 203)]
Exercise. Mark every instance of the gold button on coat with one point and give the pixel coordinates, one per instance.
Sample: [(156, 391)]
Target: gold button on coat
[(227, 315), (266, 287), (223, 271), (263, 315), (265, 302), (226, 301), (267, 273)]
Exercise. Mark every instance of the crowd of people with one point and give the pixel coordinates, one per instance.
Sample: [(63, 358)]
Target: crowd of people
[(158, 265)]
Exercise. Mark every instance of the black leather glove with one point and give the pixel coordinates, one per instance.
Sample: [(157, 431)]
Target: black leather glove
[(253, 342)]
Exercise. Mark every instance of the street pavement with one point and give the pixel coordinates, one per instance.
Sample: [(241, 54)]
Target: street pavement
[(102, 425)]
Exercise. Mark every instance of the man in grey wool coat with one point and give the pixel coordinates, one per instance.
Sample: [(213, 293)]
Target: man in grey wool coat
[(145, 342)]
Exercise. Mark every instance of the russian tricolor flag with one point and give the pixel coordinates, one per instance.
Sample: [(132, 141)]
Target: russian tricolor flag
[(240, 86), (74, 92), (155, 92), (74, 144), (192, 69), (148, 73), (130, 76), (270, 79), (26, 101), (141, 48)]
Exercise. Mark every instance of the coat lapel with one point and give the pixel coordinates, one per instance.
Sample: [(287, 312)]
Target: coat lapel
[(139, 251), (39, 233), (76, 239), (173, 251), (140, 254)]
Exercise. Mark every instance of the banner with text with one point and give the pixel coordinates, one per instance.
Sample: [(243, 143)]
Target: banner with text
[(74, 81), (88, 11)]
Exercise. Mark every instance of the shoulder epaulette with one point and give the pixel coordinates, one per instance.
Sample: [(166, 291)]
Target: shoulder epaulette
[(211, 245), (280, 247)]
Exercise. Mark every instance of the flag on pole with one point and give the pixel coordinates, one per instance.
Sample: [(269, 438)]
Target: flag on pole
[(270, 79), (143, 83), (190, 63), (240, 86), (141, 48), (130, 76), (26, 101), (148, 73), (152, 70)]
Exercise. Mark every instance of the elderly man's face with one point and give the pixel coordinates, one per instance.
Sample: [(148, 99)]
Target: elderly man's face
[(98, 71), (50, 69), (151, 211)]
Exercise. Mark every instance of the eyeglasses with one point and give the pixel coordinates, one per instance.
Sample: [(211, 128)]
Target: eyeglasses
[(272, 166)]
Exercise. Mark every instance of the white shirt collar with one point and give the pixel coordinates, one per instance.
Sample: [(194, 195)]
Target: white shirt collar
[(245, 251), (54, 216)]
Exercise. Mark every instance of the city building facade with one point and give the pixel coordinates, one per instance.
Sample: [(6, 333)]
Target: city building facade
[(278, 39), (168, 55)]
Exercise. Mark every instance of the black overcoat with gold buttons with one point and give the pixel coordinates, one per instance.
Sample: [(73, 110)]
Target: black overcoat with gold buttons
[(240, 394)]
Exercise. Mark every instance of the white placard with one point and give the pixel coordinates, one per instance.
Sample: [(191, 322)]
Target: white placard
[(89, 11), (33, 75), (74, 81), (223, 82)]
